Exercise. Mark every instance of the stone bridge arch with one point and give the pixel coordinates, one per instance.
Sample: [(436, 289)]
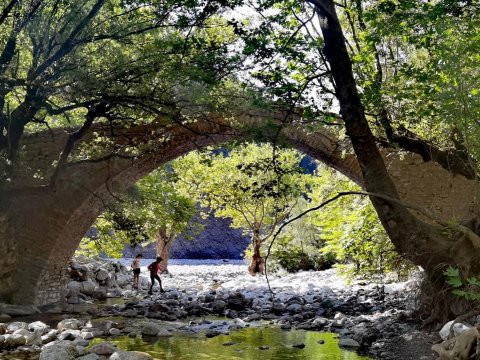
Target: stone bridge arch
[(41, 225)]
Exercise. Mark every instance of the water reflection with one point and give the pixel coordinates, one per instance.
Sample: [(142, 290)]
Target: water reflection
[(249, 343)]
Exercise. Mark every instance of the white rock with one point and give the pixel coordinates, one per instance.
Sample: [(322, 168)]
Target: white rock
[(87, 335), (39, 326), (69, 324), (458, 329), (17, 325), (320, 321)]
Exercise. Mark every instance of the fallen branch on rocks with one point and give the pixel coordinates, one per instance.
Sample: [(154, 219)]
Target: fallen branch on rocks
[(461, 347)]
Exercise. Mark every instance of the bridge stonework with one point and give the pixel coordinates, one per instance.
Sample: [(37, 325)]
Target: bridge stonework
[(39, 231)]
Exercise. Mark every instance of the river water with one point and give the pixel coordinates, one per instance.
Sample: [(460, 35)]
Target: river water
[(268, 343)]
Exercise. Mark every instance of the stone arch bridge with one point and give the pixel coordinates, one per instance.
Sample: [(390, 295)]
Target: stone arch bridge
[(44, 213)]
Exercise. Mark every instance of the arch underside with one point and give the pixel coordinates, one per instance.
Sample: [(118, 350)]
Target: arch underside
[(48, 225)]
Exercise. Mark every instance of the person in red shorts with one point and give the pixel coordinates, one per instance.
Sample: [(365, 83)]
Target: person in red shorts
[(154, 269)]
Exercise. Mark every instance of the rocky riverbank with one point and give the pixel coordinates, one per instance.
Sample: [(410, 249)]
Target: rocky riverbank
[(365, 316)]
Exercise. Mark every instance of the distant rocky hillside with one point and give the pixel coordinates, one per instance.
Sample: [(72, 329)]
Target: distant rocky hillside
[(216, 241)]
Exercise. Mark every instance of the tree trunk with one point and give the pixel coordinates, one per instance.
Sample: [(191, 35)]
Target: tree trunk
[(164, 245), (258, 264), (430, 246)]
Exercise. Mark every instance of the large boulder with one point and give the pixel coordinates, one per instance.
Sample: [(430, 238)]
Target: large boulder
[(59, 350)]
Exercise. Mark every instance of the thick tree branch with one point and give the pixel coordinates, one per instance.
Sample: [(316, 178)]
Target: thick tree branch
[(93, 113)]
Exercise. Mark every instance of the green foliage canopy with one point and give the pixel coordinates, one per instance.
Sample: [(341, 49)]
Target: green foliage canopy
[(154, 204)]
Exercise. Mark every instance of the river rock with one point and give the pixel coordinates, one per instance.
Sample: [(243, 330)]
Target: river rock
[(74, 287), (212, 333), (87, 335), (31, 338), (99, 294), (348, 343), (13, 341), (130, 355), (102, 275), (39, 326), (49, 337), (294, 308), (5, 317), (66, 335), (69, 324), (3, 329), (236, 301), (458, 329), (150, 329), (17, 325), (123, 280), (88, 287), (278, 308), (114, 332), (320, 322), (105, 349), (59, 350)]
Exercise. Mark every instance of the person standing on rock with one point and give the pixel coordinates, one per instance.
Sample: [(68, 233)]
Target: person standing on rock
[(136, 270), (154, 268)]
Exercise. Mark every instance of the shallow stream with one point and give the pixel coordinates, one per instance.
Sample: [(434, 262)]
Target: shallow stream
[(249, 343)]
